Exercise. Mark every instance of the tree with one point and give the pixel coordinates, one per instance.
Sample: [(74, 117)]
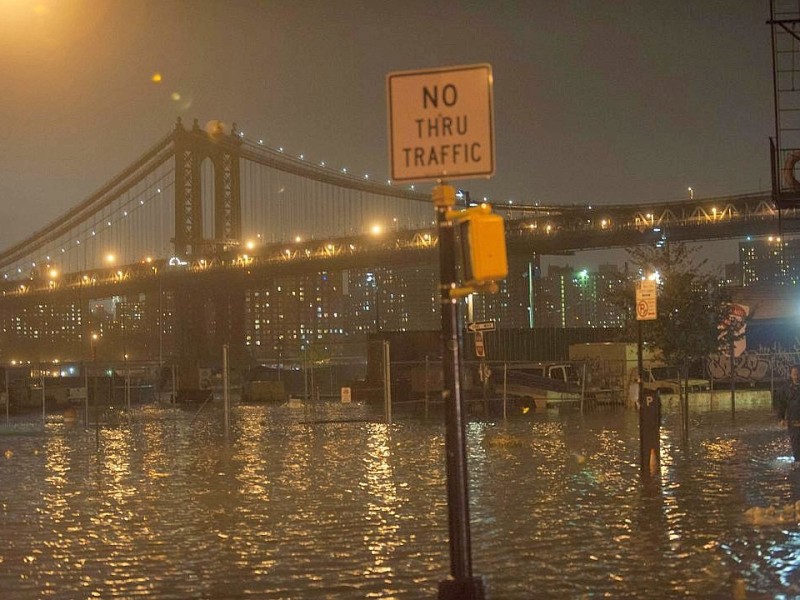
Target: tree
[(691, 307)]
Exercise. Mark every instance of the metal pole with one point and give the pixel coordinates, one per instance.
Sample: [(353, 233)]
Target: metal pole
[(174, 395), (639, 361), (505, 390), (583, 388), (127, 386), (462, 584), (86, 396), (41, 377), (96, 398), (733, 381), (225, 386), (426, 386), (387, 382)]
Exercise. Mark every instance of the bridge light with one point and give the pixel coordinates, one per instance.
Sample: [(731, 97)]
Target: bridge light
[(110, 258), (250, 244), (298, 239), (376, 229), (53, 273), (604, 223), (549, 228)]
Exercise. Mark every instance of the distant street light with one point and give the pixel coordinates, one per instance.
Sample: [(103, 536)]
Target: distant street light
[(691, 194)]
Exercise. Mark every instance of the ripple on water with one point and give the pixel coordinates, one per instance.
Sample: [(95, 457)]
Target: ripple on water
[(167, 508)]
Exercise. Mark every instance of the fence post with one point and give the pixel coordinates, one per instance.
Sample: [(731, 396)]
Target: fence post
[(387, 382), (44, 411), (583, 387), (225, 387), (505, 394), (427, 372)]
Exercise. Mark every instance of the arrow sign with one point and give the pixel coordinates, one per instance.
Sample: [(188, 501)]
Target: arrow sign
[(480, 326)]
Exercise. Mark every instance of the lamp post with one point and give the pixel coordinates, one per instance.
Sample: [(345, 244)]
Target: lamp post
[(95, 337)]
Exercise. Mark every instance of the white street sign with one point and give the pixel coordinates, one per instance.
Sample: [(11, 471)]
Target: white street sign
[(346, 395), (480, 349), (441, 123), (480, 326), (646, 296)]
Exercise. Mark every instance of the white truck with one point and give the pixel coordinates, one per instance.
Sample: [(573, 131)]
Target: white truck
[(611, 367)]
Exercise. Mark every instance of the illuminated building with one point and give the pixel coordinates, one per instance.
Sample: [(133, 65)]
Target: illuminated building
[(769, 260), (567, 297)]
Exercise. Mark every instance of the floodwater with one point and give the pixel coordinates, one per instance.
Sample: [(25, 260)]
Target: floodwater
[(293, 505)]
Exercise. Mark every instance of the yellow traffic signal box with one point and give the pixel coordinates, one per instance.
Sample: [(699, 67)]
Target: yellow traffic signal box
[(483, 244)]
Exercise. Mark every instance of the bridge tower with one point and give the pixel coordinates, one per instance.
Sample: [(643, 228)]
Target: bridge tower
[(207, 315), (192, 147)]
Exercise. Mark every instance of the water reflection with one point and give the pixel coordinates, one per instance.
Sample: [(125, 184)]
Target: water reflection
[(296, 504)]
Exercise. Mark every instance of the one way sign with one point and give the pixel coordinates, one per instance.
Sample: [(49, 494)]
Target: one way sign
[(480, 326)]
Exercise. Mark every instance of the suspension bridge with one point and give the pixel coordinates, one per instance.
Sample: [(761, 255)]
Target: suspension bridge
[(192, 236)]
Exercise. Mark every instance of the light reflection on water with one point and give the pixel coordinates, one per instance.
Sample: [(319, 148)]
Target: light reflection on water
[(287, 507)]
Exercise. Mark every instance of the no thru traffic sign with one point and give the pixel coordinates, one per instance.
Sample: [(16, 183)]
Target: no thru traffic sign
[(441, 123)]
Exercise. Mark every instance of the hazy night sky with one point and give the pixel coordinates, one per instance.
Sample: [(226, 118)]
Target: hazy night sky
[(595, 102)]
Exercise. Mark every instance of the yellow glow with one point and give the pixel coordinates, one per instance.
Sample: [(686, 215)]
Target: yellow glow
[(175, 96), (250, 244), (156, 78), (53, 273), (110, 258), (298, 239), (376, 230)]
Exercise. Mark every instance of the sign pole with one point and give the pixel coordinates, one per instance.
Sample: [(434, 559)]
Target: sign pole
[(649, 402), (462, 585), (441, 127)]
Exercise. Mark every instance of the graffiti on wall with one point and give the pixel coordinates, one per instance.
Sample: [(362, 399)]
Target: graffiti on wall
[(758, 366)]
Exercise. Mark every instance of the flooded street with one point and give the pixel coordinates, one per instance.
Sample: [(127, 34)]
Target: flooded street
[(295, 505)]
